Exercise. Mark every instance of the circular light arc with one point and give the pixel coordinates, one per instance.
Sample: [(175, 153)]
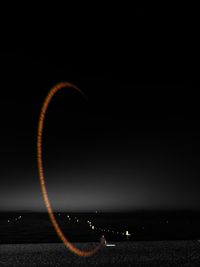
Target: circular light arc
[(68, 244)]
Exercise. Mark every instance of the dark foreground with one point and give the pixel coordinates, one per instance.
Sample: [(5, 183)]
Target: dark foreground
[(157, 253)]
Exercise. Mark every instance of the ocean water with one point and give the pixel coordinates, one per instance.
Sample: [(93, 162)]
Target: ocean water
[(141, 253)]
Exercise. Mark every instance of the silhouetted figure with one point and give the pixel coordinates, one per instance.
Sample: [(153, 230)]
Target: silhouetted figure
[(103, 240)]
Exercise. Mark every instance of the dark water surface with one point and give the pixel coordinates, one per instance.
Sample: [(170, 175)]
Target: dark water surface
[(35, 227), (142, 253)]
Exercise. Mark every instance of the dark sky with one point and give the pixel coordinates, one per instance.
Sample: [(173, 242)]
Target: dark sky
[(133, 143)]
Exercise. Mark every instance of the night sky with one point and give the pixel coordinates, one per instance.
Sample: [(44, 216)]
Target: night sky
[(133, 143)]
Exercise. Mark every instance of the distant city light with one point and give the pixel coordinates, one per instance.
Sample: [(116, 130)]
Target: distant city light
[(127, 233), (77, 220)]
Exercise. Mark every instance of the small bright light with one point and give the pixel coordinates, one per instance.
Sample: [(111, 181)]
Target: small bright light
[(127, 233), (92, 227), (8, 221), (77, 220)]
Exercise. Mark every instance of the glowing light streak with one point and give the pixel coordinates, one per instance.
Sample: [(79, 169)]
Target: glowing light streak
[(68, 244)]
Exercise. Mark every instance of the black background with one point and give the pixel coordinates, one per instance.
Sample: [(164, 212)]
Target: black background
[(134, 142)]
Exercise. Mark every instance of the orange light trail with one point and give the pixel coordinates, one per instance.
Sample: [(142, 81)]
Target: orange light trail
[(59, 231)]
